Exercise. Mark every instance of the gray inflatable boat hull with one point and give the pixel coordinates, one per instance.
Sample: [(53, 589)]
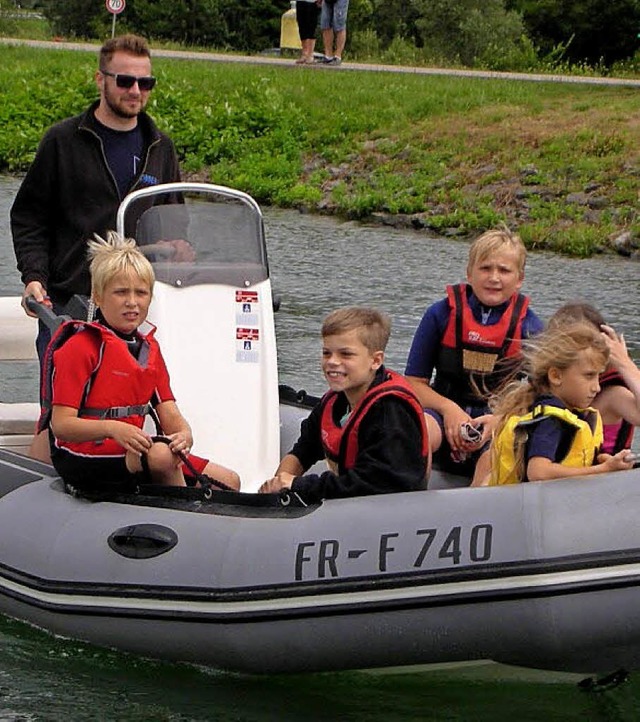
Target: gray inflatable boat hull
[(539, 575)]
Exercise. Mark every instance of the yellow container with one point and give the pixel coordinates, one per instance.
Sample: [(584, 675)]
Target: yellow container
[(289, 35)]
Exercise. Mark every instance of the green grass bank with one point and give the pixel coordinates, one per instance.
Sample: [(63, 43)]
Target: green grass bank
[(560, 162)]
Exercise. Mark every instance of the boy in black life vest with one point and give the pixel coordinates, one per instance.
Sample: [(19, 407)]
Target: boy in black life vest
[(369, 425), (472, 340)]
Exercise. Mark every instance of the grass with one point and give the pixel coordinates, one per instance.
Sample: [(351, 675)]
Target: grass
[(456, 155)]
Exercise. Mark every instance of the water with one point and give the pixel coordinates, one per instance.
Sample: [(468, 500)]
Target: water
[(317, 265)]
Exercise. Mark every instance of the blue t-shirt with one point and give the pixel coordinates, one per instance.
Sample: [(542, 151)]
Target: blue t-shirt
[(427, 339), (551, 438), (124, 151)]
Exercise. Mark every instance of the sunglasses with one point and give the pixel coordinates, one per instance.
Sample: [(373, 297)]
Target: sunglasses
[(145, 82)]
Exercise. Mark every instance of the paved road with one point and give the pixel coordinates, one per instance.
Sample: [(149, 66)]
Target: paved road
[(370, 67)]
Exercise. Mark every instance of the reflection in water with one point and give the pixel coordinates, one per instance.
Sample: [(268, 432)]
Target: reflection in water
[(52, 680)]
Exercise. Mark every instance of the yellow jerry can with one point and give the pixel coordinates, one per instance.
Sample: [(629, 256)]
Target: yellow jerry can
[(289, 35)]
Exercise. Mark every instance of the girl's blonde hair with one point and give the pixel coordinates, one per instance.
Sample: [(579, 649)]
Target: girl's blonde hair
[(115, 255), (560, 346)]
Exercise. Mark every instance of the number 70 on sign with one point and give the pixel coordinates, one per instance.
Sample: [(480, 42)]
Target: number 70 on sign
[(115, 6)]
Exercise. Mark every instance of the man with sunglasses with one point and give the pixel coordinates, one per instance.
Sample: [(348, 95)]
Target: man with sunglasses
[(83, 168)]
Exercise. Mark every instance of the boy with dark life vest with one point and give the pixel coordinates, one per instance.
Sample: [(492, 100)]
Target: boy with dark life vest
[(369, 426), (546, 426), (470, 342), (102, 378)]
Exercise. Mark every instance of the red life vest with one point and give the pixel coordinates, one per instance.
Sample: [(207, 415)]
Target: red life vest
[(340, 443), (470, 351), (126, 400), (624, 437)]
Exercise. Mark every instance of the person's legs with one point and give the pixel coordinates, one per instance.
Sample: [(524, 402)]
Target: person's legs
[(326, 25), (221, 473), (327, 43), (307, 17), (341, 39), (339, 25), (164, 466)]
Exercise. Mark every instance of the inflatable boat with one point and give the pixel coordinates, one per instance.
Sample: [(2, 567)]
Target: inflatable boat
[(537, 575)]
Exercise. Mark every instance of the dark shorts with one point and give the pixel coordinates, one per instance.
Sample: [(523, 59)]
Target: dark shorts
[(307, 17), (86, 472)]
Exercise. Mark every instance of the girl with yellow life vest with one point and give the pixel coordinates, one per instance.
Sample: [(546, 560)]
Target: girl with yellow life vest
[(547, 428), (619, 399)]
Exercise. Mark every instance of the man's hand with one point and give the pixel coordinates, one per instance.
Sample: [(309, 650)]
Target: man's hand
[(38, 291), (182, 250)]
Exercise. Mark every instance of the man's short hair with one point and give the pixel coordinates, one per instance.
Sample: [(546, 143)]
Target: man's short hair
[(374, 327), (132, 44)]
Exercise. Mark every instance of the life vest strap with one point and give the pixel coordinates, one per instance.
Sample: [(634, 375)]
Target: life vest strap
[(116, 412)]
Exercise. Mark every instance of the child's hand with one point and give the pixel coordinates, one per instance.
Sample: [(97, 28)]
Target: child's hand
[(617, 346), (618, 462), (180, 442), (272, 486), (453, 419), (130, 437)]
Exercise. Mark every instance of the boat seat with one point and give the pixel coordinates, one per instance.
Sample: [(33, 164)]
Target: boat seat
[(218, 341)]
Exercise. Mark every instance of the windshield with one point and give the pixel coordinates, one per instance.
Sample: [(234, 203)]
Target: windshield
[(196, 236)]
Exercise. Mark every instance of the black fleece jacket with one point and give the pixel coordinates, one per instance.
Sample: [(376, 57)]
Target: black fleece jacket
[(69, 193)]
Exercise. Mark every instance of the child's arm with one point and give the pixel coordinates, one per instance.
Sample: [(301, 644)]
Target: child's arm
[(453, 416), (175, 427), (540, 468), (291, 465), (66, 425), (306, 451), (617, 401), (287, 470)]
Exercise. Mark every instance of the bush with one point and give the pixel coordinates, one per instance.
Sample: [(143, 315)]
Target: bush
[(470, 31)]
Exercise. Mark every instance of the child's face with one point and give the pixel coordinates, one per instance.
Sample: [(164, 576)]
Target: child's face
[(578, 384), (496, 278), (348, 365), (125, 302)]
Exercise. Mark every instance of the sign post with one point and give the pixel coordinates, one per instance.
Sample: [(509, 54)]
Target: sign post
[(115, 7)]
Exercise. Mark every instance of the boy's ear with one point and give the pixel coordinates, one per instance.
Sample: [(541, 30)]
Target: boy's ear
[(378, 359)]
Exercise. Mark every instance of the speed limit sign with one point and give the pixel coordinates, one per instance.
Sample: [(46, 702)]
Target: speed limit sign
[(115, 6)]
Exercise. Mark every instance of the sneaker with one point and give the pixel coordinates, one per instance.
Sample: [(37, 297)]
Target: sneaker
[(334, 61)]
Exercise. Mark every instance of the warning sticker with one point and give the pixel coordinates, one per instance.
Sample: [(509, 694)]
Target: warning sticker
[(247, 345), (247, 309)]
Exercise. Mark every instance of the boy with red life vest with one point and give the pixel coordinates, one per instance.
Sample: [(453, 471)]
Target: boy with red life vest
[(369, 426), (472, 340), (101, 379)]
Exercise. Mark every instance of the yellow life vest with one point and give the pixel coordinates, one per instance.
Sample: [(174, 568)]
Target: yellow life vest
[(587, 439)]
